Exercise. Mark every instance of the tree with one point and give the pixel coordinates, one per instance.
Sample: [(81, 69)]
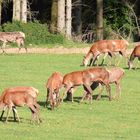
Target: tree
[(78, 16), (54, 14), (24, 11), (61, 16), (0, 10), (68, 18), (99, 20), (16, 10)]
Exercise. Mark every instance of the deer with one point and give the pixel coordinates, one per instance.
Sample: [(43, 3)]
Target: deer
[(115, 76), (105, 47), (31, 90), (135, 54), (86, 78), (18, 37), (53, 86), (20, 96)]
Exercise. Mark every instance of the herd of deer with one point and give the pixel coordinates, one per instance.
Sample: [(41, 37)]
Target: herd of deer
[(89, 78)]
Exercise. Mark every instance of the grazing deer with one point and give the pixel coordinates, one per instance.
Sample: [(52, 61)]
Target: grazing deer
[(17, 37), (135, 53), (106, 47), (54, 84), (86, 78), (115, 76), (20, 96)]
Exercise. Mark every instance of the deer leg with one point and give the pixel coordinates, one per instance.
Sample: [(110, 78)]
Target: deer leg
[(112, 55), (34, 112), (2, 115), (72, 91), (84, 95), (33, 115), (89, 91), (97, 58), (108, 89), (3, 47), (94, 59), (104, 58), (37, 106), (20, 42), (23, 44), (118, 91), (122, 53), (15, 112), (3, 111), (47, 97), (91, 60), (67, 89), (100, 92), (8, 113), (52, 104), (118, 63), (57, 98), (137, 64)]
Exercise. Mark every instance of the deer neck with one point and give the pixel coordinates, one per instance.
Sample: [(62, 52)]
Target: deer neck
[(87, 58)]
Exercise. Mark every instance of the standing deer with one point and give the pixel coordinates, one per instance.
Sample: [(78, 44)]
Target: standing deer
[(106, 47), (54, 84), (20, 96), (18, 37), (115, 76), (86, 78), (135, 53)]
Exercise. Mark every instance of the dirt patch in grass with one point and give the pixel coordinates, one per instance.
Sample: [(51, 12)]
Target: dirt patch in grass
[(51, 51)]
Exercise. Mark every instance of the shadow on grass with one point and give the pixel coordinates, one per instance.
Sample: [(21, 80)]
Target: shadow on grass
[(126, 68), (43, 104), (11, 119), (78, 99)]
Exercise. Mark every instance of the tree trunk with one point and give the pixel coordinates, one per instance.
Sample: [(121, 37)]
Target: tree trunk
[(99, 20), (54, 15), (61, 16), (68, 18), (16, 10), (78, 14), (24, 11), (0, 10)]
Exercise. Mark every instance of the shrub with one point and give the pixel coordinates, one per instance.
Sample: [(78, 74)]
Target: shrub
[(35, 32)]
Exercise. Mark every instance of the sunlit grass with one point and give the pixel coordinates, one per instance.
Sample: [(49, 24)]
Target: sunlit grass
[(102, 120)]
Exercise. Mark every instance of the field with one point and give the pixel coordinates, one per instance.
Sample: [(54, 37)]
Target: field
[(102, 120)]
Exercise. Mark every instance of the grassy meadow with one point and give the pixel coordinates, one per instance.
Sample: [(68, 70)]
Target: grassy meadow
[(102, 120)]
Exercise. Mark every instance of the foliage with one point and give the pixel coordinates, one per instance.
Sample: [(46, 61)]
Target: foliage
[(102, 120), (117, 19), (35, 32)]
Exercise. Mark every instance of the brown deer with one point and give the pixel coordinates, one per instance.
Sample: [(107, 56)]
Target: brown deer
[(20, 96), (135, 54), (115, 76), (86, 78), (106, 47), (17, 37), (54, 84)]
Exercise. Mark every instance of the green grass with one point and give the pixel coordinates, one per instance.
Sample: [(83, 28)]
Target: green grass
[(66, 44), (102, 120)]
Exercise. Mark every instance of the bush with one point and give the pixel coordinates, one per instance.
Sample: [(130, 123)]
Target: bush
[(35, 33), (118, 20)]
